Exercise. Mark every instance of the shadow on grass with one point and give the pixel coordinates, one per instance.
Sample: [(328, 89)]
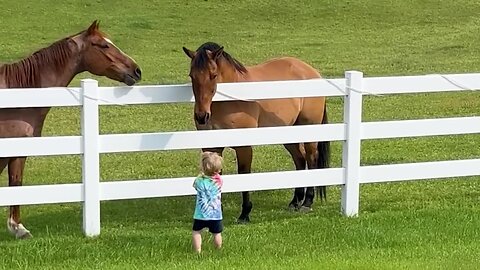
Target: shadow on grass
[(168, 214), (65, 220)]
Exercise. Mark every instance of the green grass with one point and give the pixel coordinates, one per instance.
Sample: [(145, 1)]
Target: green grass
[(409, 225)]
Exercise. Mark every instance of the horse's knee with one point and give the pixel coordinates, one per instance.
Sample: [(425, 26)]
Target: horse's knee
[(311, 155), (14, 180), (244, 159), (15, 171)]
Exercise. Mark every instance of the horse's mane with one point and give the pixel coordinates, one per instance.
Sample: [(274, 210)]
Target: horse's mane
[(201, 58), (26, 73)]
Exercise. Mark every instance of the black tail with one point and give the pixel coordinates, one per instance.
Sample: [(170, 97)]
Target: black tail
[(323, 160)]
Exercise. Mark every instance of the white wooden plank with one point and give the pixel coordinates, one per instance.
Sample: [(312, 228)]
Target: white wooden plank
[(232, 183), (41, 97), (422, 127), (420, 170), (43, 194), (225, 91), (281, 89), (218, 138), (145, 94), (422, 84), (59, 96), (40, 146)]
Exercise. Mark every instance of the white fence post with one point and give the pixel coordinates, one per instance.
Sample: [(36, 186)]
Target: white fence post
[(351, 147), (91, 158)]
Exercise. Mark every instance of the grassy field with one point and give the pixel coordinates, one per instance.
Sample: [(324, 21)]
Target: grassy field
[(414, 225)]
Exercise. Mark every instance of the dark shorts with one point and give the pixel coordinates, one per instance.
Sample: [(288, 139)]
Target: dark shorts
[(214, 226)]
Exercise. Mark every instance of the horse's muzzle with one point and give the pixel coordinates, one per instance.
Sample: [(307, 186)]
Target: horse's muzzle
[(131, 79), (202, 118)]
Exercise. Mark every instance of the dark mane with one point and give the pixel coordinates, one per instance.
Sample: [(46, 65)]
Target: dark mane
[(201, 58), (26, 72)]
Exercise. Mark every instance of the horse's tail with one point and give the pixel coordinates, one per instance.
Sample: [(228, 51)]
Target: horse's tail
[(323, 160)]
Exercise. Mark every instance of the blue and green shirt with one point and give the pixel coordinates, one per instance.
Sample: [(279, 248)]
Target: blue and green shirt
[(209, 196)]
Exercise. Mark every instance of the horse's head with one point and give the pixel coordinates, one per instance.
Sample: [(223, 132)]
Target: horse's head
[(101, 57), (204, 73), (210, 65)]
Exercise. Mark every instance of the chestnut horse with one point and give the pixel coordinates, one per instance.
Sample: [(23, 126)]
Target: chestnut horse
[(211, 65), (55, 66)]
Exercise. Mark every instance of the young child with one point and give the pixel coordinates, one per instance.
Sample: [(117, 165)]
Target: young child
[(208, 208)]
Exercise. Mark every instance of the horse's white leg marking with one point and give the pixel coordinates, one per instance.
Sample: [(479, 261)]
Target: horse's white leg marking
[(18, 229)]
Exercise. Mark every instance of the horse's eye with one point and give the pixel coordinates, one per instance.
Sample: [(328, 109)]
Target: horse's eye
[(102, 46)]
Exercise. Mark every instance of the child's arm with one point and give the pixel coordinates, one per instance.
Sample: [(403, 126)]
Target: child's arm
[(194, 185), (219, 180)]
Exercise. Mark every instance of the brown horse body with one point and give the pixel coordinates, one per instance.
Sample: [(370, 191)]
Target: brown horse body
[(55, 66), (211, 65)]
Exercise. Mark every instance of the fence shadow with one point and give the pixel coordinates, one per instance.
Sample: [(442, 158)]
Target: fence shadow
[(65, 220)]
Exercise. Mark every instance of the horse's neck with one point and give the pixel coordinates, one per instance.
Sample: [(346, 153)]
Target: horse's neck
[(54, 77), (37, 71), (25, 74), (63, 80), (232, 75)]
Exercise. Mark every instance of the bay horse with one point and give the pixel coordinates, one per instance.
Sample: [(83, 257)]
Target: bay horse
[(55, 66), (211, 65)]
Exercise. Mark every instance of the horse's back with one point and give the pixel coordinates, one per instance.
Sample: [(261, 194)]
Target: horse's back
[(290, 111), (284, 68)]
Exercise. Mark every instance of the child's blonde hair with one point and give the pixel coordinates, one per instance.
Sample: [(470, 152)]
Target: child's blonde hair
[(211, 163)]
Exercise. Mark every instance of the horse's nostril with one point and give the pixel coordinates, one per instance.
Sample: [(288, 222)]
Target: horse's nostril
[(202, 118), (138, 72)]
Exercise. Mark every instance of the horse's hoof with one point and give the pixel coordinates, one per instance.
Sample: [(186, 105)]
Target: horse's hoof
[(305, 209), (243, 220), (22, 232), (24, 235), (292, 208), (18, 230)]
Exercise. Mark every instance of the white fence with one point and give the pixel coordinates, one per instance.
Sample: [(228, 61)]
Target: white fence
[(351, 132)]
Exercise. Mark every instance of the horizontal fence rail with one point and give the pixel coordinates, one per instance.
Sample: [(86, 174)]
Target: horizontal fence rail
[(90, 144), (181, 140)]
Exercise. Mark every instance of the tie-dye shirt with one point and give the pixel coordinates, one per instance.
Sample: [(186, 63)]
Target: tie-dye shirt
[(209, 204)]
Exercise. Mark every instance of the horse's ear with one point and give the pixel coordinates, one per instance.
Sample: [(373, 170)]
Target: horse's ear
[(93, 27), (215, 54), (189, 53)]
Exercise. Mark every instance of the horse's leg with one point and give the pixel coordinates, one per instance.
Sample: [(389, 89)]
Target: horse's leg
[(15, 174), (311, 157), (299, 160), (244, 165), (3, 164)]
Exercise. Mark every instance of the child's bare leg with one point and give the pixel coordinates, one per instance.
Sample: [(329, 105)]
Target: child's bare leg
[(217, 240), (197, 241)]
